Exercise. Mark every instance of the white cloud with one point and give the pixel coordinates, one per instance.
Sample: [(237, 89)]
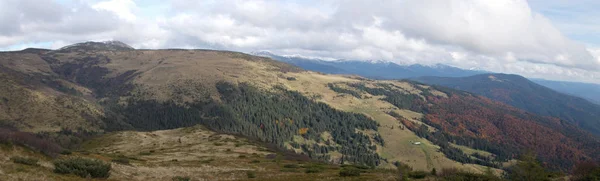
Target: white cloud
[(503, 35), (122, 8)]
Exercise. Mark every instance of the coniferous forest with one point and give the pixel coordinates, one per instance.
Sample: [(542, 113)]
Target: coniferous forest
[(274, 117)]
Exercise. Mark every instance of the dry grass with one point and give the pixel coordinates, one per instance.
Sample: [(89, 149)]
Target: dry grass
[(190, 75), (35, 110), (199, 157), (25, 62)]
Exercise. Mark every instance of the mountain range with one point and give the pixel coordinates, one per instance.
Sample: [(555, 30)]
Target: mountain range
[(588, 91), (160, 109), (370, 69), (524, 94), (510, 89), (390, 70)]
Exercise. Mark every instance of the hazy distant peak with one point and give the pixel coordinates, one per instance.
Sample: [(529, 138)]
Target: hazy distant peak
[(266, 53), (263, 53)]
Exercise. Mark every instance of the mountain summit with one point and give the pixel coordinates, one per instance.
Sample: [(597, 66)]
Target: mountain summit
[(97, 46)]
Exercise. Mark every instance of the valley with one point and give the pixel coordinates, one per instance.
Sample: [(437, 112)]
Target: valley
[(205, 114)]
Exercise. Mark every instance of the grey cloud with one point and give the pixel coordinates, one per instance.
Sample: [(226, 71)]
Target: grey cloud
[(504, 35), (37, 21)]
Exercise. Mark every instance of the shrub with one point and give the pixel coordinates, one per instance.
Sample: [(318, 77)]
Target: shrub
[(417, 174), (291, 165), (364, 167), (459, 176), (29, 140), (82, 167), (314, 168), (207, 161), (121, 160), (180, 178), (145, 153), (251, 174), (349, 172), (242, 156), (65, 152), (403, 170), (24, 160)]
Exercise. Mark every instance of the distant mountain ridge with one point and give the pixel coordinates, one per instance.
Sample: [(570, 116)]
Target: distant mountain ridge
[(371, 69), (388, 70), (585, 90), (522, 93)]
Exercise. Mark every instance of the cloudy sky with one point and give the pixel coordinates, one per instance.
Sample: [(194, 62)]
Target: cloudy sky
[(551, 39)]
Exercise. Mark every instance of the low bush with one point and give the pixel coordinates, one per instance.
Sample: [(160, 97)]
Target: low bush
[(291, 165), (292, 170), (82, 167), (349, 172), (24, 160), (417, 174), (145, 153), (121, 160), (180, 178), (364, 167), (314, 168), (207, 161), (251, 174), (9, 137), (459, 176), (65, 152)]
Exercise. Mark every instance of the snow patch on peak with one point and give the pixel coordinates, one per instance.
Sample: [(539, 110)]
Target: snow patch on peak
[(267, 53), (378, 61), (102, 46)]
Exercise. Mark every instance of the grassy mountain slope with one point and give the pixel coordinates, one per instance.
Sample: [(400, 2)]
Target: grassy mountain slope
[(340, 119), (33, 98), (194, 152), (192, 77), (522, 93)]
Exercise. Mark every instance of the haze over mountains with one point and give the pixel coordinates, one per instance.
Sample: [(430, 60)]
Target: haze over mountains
[(584, 90), (390, 70), (371, 69)]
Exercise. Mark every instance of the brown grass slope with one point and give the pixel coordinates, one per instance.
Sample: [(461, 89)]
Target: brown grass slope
[(195, 153), (188, 76), (34, 99), (185, 76)]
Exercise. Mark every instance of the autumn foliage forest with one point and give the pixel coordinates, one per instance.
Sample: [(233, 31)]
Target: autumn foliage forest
[(481, 123)]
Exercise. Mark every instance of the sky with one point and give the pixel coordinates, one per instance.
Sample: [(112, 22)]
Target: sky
[(549, 39)]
